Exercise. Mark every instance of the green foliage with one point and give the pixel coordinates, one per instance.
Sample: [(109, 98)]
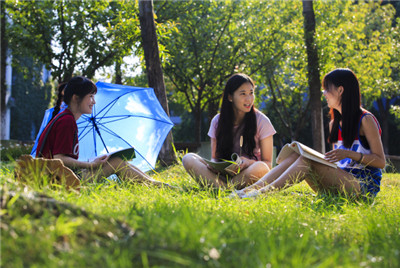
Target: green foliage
[(216, 39), (11, 150), (266, 41), (50, 227), (73, 37), (395, 110), (203, 42), (184, 130), (361, 37)]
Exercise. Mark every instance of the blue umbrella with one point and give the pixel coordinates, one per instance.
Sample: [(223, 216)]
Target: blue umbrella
[(124, 117)]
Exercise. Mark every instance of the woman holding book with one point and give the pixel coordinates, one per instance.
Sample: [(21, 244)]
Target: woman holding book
[(238, 128), (357, 148), (59, 140)]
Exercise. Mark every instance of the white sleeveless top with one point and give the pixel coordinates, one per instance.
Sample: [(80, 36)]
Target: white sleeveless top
[(357, 146)]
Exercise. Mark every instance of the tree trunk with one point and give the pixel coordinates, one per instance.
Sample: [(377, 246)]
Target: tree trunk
[(197, 124), (118, 72), (4, 45), (154, 71), (213, 108), (313, 77), (384, 113)]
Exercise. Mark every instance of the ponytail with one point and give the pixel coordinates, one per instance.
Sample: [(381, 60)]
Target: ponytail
[(60, 97)]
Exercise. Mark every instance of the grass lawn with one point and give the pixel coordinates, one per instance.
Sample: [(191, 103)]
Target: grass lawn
[(124, 225)]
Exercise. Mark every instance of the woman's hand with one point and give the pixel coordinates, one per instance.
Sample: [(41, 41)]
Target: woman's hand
[(337, 155), (245, 163), (99, 161)]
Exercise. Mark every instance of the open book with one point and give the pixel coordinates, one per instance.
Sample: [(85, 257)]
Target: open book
[(125, 154), (226, 167), (303, 150)]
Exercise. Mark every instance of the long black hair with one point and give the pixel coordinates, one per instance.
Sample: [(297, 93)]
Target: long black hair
[(60, 97), (351, 105), (80, 86), (224, 132)]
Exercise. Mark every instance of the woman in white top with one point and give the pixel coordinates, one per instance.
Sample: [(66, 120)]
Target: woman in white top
[(237, 118)]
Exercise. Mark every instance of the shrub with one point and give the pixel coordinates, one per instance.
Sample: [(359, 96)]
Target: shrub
[(12, 149)]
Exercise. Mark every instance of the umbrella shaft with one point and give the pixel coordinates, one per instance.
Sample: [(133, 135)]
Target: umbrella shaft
[(98, 132)]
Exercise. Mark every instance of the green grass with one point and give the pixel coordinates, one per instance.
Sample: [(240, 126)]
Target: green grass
[(123, 225)]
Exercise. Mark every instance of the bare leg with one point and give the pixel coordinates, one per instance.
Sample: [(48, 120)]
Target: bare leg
[(273, 174), (334, 180), (125, 171), (320, 178), (293, 174), (250, 175), (198, 169)]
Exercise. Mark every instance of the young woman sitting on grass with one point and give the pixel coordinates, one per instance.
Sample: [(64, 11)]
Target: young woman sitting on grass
[(51, 113), (237, 118), (59, 140), (357, 148)]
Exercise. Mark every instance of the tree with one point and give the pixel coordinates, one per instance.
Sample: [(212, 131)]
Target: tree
[(214, 40), (73, 37), (154, 70), (4, 47), (313, 77), (283, 90), (363, 38), (267, 41), (193, 64)]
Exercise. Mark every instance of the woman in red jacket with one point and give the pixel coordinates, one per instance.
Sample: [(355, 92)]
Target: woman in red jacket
[(60, 138)]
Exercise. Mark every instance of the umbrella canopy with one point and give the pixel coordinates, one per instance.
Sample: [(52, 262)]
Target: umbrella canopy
[(124, 117)]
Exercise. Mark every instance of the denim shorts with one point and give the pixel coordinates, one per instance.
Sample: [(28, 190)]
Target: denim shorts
[(370, 180)]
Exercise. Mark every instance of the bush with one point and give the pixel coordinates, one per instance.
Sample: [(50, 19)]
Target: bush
[(12, 149)]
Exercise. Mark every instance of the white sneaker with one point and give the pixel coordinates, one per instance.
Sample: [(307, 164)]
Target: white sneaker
[(250, 194), (235, 194)]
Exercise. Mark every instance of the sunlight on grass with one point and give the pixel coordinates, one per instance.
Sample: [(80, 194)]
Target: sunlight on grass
[(125, 225)]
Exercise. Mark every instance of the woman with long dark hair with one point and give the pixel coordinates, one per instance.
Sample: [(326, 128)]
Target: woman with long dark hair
[(59, 140), (237, 121), (357, 148)]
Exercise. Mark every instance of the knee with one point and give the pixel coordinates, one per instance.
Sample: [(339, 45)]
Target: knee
[(259, 169), (303, 160), (188, 160), (117, 163)]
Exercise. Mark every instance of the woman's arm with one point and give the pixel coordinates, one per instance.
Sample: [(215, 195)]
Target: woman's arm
[(267, 148), (370, 130), (73, 163), (376, 158), (214, 149)]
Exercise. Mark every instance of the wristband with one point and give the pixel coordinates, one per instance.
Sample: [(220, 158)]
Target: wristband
[(361, 158)]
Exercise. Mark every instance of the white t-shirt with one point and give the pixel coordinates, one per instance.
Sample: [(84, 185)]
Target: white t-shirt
[(264, 130)]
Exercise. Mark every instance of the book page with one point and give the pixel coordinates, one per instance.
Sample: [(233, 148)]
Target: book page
[(226, 166), (303, 150), (285, 152), (233, 168), (309, 150), (313, 154)]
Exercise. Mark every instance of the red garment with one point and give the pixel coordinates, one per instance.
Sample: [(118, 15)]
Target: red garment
[(62, 138)]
